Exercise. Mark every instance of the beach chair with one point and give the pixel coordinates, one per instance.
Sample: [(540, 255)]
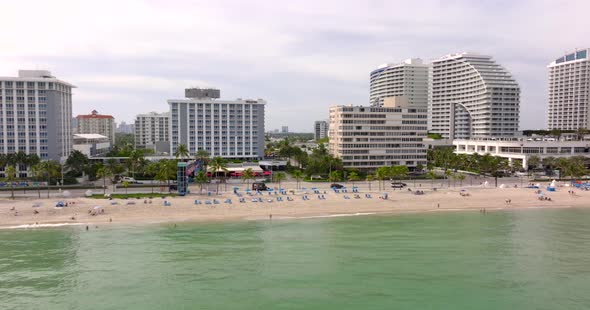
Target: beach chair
[(346, 197), (228, 201), (215, 201), (207, 202), (197, 202), (167, 203)]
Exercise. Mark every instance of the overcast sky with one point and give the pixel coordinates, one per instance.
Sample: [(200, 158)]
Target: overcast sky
[(129, 56)]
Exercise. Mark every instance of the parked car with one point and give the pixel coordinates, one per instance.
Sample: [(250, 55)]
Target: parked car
[(129, 180), (398, 185), (336, 186), (259, 186)]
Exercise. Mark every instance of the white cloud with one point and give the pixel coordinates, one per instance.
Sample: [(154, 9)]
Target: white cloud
[(147, 51)]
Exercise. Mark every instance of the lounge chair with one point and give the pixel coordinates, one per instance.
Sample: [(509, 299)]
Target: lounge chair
[(197, 202)]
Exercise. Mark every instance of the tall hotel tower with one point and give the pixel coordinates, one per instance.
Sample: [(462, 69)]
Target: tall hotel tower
[(36, 115), (408, 79), (569, 84), (471, 96), (225, 128)]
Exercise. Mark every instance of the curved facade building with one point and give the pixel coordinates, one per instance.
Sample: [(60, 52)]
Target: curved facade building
[(408, 79), (472, 97), (569, 87)]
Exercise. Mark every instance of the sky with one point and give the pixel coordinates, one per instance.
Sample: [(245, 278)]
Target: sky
[(128, 57)]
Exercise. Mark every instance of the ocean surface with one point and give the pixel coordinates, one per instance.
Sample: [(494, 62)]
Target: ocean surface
[(522, 259)]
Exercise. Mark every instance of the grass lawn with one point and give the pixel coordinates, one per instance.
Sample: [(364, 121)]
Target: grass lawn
[(133, 195)]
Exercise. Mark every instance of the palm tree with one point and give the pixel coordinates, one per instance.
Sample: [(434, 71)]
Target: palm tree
[(114, 169), (135, 161), (10, 177), (382, 173), (370, 179), (125, 184), (49, 169), (460, 177), (103, 173), (37, 174), (203, 156), (353, 176), (248, 175), (431, 175), (201, 178), (216, 165), (152, 169), (279, 176), (181, 151), (298, 175), (533, 161), (335, 176)]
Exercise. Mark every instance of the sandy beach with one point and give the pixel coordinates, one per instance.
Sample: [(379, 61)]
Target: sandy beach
[(20, 213)]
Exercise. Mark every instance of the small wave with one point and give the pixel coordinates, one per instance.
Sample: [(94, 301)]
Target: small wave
[(26, 226), (337, 215)]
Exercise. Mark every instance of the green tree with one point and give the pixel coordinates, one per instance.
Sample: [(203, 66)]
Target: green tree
[(335, 176), (49, 169), (181, 152), (203, 156), (370, 178), (247, 175), (278, 177), (218, 164), (115, 169), (152, 169), (103, 173), (533, 161), (135, 161), (126, 185), (460, 177), (297, 175), (353, 176), (432, 176), (201, 178), (10, 177), (77, 162), (382, 173)]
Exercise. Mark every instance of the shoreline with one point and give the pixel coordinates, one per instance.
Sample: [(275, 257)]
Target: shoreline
[(183, 209)]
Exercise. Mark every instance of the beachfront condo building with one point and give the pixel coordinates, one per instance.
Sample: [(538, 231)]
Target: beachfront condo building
[(320, 130), (225, 128), (367, 138), (569, 87), (408, 78), (95, 123), (36, 115), (471, 96), (152, 131)]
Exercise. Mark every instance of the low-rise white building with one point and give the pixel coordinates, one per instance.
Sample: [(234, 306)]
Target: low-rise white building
[(92, 144), (523, 148)]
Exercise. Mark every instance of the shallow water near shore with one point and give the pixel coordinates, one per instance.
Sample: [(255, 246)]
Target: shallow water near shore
[(519, 259)]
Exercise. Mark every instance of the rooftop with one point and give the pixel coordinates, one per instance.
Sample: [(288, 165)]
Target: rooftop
[(94, 114)]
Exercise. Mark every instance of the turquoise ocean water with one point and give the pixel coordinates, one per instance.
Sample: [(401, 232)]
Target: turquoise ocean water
[(524, 259)]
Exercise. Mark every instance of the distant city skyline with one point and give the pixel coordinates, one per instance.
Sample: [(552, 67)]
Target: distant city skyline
[(298, 57)]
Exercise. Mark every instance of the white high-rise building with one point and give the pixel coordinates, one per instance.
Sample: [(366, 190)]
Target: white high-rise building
[(569, 86), (95, 123), (36, 115), (408, 79), (153, 129), (225, 128), (471, 96), (320, 130), (371, 137)]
